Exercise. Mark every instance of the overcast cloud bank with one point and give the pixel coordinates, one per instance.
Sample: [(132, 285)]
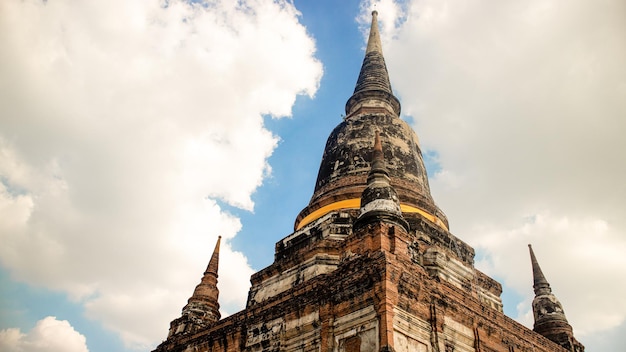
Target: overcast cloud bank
[(123, 123)]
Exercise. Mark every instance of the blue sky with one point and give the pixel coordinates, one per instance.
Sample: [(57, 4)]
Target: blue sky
[(133, 134)]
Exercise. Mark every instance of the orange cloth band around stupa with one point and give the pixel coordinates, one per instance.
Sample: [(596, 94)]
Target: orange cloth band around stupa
[(355, 203)]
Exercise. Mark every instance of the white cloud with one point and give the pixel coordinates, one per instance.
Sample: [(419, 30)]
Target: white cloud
[(48, 335), (122, 123), (524, 104)]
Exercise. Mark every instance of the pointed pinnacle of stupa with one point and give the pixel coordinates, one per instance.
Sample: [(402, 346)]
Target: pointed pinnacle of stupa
[(540, 284), (378, 159), (380, 200), (373, 42), (373, 87), (215, 259)]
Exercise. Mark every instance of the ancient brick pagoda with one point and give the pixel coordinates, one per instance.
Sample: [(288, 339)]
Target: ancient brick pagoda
[(371, 264)]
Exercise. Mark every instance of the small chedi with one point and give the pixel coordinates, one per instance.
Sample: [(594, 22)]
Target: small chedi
[(371, 265)]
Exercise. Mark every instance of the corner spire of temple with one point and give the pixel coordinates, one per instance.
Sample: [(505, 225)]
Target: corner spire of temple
[(204, 301), (373, 87), (550, 320), (203, 308)]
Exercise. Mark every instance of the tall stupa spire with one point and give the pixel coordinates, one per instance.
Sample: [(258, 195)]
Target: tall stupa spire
[(345, 166), (373, 87), (550, 320)]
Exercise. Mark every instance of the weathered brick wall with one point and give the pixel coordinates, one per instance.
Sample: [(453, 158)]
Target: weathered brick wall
[(379, 297)]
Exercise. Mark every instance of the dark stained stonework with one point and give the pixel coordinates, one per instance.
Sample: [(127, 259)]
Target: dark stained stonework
[(374, 277), (345, 163), (379, 200)]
